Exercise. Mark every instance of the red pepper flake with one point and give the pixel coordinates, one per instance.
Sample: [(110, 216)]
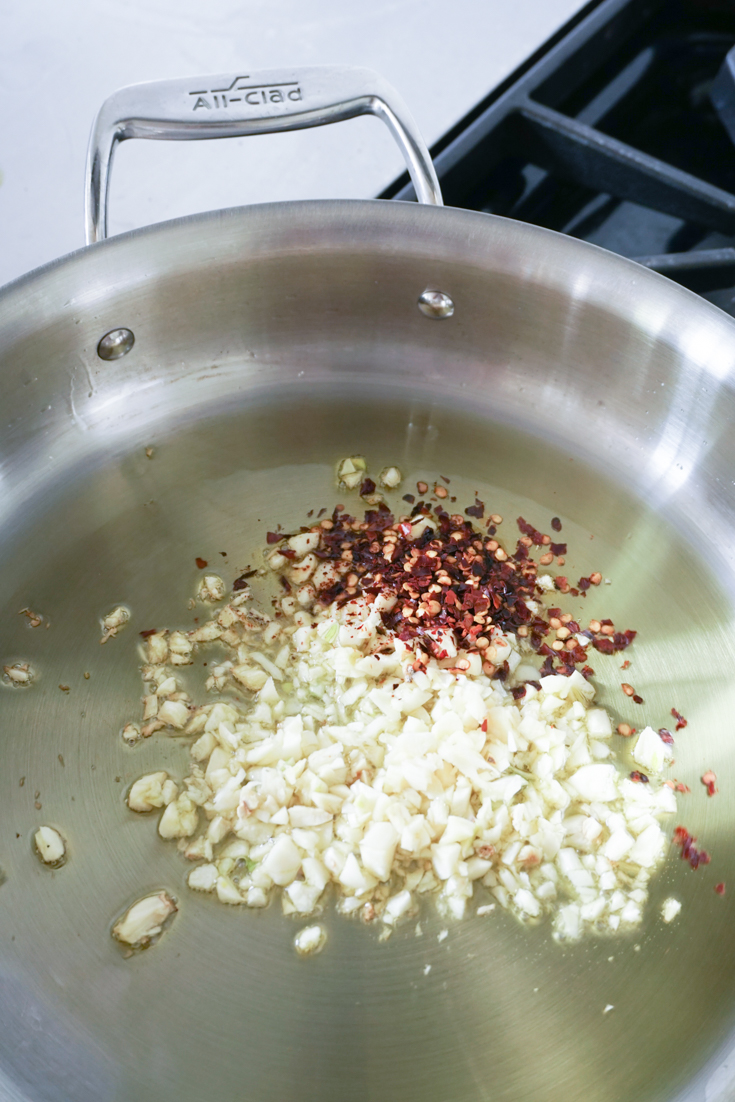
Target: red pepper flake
[(609, 644), (681, 723), (637, 699), (556, 524), (666, 736), (272, 537), (677, 786), (453, 578), (638, 777), (689, 851), (201, 563), (242, 581), (483, 726), (409, 498), (368, 487), (709, 781), (720, 888), (558, 548), (528, 530), (147, 632), (625, 664)]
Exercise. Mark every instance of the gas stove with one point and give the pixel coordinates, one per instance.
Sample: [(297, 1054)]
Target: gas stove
[(610, 133)]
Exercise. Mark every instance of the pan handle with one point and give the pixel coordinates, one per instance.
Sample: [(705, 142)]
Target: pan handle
[(232, 105)]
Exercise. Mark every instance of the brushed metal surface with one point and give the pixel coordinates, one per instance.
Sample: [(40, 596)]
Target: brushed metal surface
[(269, 341)]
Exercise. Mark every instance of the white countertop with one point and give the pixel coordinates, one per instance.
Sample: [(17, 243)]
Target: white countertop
[(58, 62)]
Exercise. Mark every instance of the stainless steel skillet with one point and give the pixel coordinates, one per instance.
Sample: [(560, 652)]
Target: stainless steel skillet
[(269, 342)]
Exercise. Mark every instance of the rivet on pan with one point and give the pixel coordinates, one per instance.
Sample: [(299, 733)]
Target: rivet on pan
[(435, 304), (115, 344)]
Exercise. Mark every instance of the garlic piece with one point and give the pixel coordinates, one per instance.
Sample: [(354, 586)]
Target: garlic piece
[(180, 819), (20, 673), (131, 733), (113, 621), (351, 471), (144, 920), (50, 846), (211, 588), (203, 878), (310, 940), (152, 790), (391, 478), (670, 909)]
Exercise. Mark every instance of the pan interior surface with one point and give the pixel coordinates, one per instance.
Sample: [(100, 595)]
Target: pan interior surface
[(222, 1007)]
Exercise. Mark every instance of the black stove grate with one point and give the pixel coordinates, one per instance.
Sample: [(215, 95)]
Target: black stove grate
[(608, 134)]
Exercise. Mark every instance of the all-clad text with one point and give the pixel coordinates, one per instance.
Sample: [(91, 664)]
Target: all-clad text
[(239, 91)]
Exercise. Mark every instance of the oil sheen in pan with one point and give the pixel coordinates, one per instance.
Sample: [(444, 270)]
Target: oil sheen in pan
[(223, 1007)]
